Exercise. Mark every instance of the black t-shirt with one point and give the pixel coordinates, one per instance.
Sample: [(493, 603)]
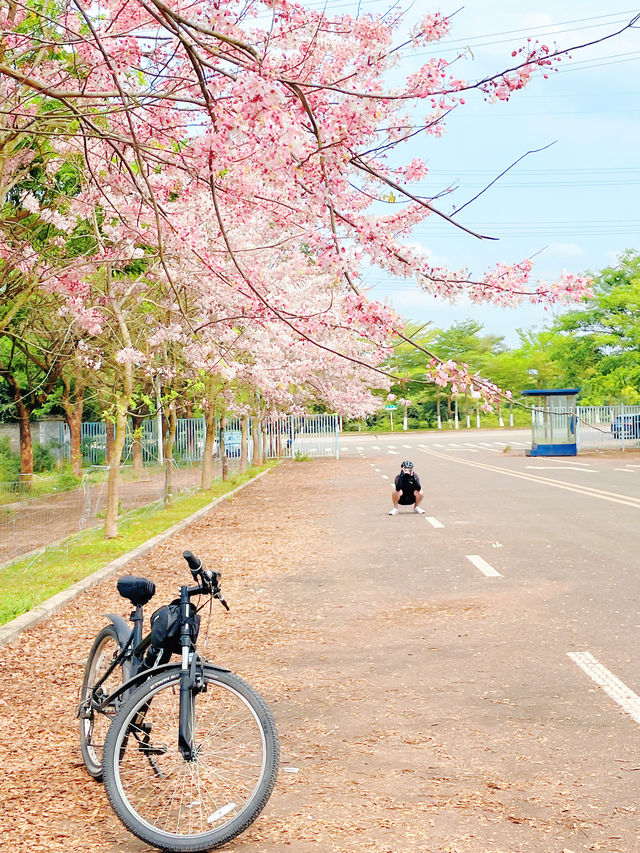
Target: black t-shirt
[(408, 484)]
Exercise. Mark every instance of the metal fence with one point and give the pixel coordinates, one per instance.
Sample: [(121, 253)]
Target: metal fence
[(29, 522), (287, 436), (309, 435), (608, 427), (32, 521)]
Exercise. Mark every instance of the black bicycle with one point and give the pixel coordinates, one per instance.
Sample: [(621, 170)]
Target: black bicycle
[(188, 751)]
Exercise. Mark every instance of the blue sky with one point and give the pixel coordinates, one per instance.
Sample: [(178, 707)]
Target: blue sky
[(575, 205)]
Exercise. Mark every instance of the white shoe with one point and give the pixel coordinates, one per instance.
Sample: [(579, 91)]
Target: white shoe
[(419, 510), (393, 511)]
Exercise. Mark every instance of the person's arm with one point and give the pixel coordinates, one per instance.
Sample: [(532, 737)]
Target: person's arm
[(398, 482), (417, 479)]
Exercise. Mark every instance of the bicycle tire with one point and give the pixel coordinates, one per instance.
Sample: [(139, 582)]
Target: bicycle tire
[(203, 803), (93, 729)]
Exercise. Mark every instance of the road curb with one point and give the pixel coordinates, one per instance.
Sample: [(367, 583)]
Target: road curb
[(11, 630)]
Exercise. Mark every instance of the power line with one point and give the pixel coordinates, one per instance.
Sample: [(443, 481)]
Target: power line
[(595, 65), (580, 171), (508, 184), (547, 26), (474, 45)]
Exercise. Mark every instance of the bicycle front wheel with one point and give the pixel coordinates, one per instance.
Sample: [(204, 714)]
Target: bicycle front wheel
[(95, 724), (182, 805)]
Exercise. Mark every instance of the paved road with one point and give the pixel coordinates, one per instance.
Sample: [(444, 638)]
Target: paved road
[(554, 545), (535, 520)]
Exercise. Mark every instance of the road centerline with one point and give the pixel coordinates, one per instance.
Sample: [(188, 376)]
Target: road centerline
[(589, 491)]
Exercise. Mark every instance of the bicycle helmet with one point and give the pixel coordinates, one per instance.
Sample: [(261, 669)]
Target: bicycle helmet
[(407, 464)]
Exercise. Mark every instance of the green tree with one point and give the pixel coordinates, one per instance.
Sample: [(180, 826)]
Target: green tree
[(598, 345)]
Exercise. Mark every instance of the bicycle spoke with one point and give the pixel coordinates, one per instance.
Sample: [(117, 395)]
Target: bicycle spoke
[(192, 797)]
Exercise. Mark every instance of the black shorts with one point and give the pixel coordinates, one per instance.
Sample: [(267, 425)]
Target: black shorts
[(405, 500)]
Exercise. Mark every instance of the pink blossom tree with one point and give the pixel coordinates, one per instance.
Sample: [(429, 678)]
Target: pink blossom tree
[(239, 153)]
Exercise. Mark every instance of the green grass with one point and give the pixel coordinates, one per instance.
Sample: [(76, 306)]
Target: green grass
[(28, 582)]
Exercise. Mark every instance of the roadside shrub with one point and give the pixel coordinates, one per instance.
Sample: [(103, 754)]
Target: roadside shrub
[(43, 458), (9, 462), (66, 480)]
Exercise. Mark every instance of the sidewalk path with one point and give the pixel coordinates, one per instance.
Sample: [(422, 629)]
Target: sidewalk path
[(376, 670)]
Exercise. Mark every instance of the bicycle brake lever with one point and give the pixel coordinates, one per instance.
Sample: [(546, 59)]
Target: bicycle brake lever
[(221, 600)]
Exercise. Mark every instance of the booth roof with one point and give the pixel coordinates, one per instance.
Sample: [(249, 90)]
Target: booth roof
[(549, 392)]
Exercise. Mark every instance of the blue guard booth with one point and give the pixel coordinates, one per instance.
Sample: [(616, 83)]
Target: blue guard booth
[(553, 422)]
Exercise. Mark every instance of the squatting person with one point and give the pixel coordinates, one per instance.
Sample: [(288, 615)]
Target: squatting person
[(407, 489)]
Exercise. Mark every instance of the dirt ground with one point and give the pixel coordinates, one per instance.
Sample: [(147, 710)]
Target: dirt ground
[(382, 747)]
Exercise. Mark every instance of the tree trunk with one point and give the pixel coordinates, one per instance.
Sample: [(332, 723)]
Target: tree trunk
[(223, 452), (73, 414), (109, 424), (207, 452), (170, 440), (244, 444), (258, 458), (439, 416), (74, 422), (136, 446), (24, 415), (122, 410), (113, 480), (26, 443)]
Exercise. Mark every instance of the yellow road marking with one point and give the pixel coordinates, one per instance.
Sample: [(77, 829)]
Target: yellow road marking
[(614, 497)]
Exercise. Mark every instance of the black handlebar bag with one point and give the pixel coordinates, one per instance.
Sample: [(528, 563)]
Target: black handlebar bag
[(165, 627)]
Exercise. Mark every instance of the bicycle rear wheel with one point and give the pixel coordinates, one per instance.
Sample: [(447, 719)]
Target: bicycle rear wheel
[(94, 727), (196, 805)]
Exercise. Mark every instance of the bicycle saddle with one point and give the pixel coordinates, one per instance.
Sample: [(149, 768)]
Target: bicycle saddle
[(138, 590)]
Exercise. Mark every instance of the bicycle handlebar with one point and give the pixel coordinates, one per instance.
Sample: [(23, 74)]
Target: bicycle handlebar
[(193, 562), (209, 581)]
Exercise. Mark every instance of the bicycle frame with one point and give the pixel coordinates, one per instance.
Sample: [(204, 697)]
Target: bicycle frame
[(137, 662), (191, 669), (134, 658)]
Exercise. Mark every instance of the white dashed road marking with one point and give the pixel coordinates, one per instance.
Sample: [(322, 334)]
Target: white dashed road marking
[(483, 566), (384, 477), (612, 686), (434, 521)]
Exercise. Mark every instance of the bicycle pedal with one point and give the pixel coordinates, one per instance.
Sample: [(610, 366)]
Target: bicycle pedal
[(153, 750)]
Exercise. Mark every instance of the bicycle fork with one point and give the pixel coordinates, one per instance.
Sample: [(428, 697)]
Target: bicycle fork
[(190, 683)]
